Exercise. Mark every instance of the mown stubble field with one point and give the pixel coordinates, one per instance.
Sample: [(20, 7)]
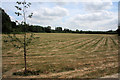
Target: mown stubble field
[(63, 55)]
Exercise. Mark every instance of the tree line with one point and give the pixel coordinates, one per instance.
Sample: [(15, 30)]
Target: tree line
[(9, 26)]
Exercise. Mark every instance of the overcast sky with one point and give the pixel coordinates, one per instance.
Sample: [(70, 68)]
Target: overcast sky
[(72, 15)]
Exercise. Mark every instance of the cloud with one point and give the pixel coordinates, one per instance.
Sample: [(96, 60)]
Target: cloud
[(104, 20), (60, 3), (12, 18), (97, 16), (49, 15), (97, 6), (56, 11)]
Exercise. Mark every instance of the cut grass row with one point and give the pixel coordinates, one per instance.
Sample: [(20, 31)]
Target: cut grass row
[(93, 45), (82, 45), (113, 41)]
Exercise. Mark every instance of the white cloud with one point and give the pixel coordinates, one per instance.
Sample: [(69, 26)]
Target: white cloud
[(12, 18), (49, 15), (96, 16), (60, 3), (104, 20), (56, 11), (97, 6)]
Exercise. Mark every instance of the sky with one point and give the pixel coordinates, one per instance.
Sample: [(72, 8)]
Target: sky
[(95, 16)]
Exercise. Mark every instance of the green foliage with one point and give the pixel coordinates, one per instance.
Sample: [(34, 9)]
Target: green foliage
[(6, 22), (58, 29), (48, 29), (118, 30)]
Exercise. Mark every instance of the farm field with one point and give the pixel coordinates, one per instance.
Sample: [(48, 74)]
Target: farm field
[(64, 55)]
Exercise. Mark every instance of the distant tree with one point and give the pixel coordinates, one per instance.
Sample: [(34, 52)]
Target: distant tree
[(13, 24), (110, 31), (66, 30), (48, 29), (118, 30), (58, 29), (77, 31), (81, 31), (6, 22)]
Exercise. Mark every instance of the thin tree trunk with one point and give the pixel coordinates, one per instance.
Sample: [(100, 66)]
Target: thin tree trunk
[(25, 53), (24, 37)]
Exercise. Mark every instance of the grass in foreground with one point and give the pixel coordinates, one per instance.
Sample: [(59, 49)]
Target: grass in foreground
[(63, 56)]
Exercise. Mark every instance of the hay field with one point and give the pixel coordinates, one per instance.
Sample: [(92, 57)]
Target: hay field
[(64, 55)]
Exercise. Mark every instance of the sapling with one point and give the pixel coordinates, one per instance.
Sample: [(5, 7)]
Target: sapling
[(17, 42)]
